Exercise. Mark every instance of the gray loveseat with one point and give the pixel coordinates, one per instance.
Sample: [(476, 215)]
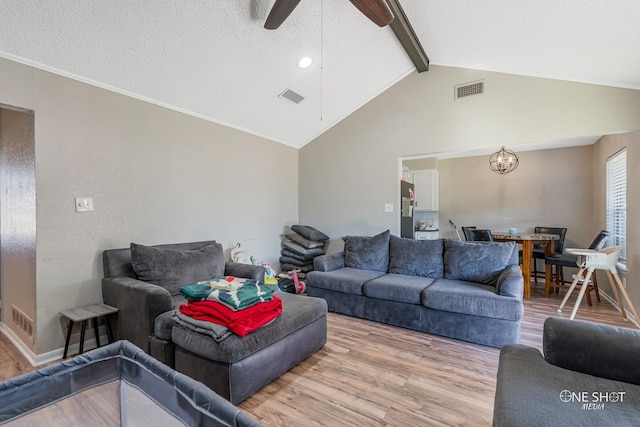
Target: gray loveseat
[(588, 376), (468, 291)]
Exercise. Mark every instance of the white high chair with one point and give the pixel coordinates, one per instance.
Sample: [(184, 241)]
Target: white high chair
[(590, 260)]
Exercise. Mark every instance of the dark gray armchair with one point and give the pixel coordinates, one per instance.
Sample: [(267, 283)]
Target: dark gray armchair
[(588, 376), (141, 302)]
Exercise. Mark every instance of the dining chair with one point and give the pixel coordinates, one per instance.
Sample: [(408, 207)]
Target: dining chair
[(539, 250), (465, 231), (561, 260), (479, 235)]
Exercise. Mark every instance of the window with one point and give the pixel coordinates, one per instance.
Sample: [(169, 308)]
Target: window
[(617, 201)]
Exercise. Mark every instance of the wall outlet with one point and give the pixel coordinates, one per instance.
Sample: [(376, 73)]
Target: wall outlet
[(388, 207), (624, 282), (84, 204)]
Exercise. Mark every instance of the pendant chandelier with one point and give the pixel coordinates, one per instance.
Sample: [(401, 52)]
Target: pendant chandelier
[(503, 161)]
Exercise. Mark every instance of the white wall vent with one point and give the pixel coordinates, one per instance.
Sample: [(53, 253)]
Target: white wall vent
[(291, 96), (22, 321), (469, 89)]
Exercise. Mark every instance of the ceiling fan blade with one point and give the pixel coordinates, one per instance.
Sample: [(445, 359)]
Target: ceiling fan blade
[(376, 10), (279, 13)]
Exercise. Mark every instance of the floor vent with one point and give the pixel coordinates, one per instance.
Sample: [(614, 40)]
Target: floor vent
[(291, 96), (469, 89), (22, 321)]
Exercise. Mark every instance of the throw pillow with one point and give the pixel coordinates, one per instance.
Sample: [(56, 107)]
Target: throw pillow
[(310, 233), (173, 268), (416, 257), (476, 261), (367, 253)]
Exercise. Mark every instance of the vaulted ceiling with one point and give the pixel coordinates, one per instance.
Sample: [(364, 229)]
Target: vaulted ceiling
[(213, 58)]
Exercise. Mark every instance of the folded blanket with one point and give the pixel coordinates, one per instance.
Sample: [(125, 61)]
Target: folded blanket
[(239, 322), (215, 331), (250, 293)]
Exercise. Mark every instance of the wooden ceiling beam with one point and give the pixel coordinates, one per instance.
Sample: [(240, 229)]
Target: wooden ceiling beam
[(404, 32)]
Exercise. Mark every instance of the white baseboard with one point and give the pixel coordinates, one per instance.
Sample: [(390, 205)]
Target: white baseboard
[(50, 356), (17, 342), (614, 303)]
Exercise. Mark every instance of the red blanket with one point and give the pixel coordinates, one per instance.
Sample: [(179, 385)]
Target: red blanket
[(240, 322)]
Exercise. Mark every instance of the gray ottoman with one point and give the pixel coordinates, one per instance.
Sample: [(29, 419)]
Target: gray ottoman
[(237, 367)]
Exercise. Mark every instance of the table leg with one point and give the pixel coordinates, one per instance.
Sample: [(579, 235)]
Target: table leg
[(548, 272), (66, 341), (95, 331), (527, 253), (83, 328), (109, 332)]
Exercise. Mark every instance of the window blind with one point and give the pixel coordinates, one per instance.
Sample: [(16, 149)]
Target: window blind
[(617, 201)]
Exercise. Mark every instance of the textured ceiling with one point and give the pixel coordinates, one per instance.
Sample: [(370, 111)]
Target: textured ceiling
[(213, 59)]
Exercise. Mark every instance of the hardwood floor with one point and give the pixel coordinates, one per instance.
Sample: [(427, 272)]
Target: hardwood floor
[(371, 374)]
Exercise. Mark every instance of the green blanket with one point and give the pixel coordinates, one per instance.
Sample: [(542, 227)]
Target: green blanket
[(235, 293)]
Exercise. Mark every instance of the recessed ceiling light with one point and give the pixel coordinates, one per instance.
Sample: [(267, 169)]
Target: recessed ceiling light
[(305, 62)]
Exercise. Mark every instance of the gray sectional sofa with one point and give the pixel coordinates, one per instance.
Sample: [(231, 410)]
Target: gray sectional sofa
[(588, 376), (469, 291)]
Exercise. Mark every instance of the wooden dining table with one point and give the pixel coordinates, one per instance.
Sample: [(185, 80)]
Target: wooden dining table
[(527, 240)]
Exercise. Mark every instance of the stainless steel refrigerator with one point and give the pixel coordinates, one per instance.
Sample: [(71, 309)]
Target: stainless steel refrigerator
[(407, 197)]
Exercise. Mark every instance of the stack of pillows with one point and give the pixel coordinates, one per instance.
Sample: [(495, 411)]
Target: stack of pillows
[(300, 247)]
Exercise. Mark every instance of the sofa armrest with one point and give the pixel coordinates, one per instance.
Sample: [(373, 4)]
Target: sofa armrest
[(600, 350), (139, 304), (329, 262), (246, 271), (510, 282)]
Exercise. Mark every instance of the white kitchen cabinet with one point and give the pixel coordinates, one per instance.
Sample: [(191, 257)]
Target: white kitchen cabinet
[(426, 189)]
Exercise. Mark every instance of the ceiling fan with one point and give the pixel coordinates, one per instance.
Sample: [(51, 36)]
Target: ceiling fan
[(376, 10)]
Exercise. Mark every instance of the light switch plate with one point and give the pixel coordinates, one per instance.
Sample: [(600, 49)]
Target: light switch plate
[(84, 204), (388, 207)]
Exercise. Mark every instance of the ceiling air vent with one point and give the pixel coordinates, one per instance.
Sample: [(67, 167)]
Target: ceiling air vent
[(469, 89), (291, 96)]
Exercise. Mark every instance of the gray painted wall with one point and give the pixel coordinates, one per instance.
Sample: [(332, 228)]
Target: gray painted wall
[(155, 175), (549, 188), (18, 221), (349, 172), (603, 149)]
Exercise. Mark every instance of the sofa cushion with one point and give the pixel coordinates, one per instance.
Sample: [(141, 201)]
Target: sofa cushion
[(397, 287), (475, 261), (303, 253), (346, 280), (471, 298), (310, 233), (303, 241), (525, 380), (173, 268), (416, 257), (367, 253)]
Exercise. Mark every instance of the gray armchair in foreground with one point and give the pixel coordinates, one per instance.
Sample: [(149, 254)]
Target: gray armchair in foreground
[(589, 376), (165, 268)]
